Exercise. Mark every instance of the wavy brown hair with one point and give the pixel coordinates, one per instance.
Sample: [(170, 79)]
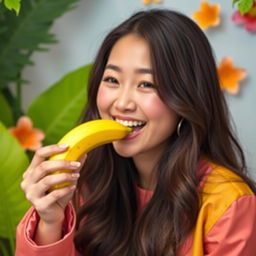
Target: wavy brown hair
[(109, 223)]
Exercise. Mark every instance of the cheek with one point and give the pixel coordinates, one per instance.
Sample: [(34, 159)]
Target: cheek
[(104, 99), (155, 108), (160, 115)]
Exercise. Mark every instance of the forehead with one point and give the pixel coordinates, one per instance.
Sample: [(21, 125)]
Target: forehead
[(131, 49)]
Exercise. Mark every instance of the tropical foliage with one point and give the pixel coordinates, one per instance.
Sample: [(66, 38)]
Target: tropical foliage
[(55, 111), (12, 5)]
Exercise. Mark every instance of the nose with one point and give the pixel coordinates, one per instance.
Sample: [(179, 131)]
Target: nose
[(125, 101)]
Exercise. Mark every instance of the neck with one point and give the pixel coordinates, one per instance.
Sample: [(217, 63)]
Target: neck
[(145, 165)]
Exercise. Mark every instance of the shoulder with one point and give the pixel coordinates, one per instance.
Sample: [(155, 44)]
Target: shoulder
[(222, 180), (221, 189), (224, 225)]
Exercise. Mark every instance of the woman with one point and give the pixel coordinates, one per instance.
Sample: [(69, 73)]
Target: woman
[(177, 185)]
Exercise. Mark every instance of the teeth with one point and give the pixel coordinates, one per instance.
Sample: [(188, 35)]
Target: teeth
[(130, 123)]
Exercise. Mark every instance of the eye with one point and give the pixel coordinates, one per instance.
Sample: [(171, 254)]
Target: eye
[(110, 79), (147, 85)]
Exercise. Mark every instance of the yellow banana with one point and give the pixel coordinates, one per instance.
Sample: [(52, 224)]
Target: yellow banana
[(86, 137)]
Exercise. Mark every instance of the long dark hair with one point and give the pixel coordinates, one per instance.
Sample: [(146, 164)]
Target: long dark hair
[(109, 222)]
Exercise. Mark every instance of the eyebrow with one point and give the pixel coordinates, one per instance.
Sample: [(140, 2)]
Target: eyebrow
[(138, 70)]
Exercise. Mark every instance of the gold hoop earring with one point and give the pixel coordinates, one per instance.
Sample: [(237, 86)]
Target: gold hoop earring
[(179, 126)]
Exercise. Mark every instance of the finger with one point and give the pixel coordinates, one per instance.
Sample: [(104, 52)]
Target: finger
[(26, 173), (48, 167), (41, 154), (47, 151), (53, 197), (41, 188)]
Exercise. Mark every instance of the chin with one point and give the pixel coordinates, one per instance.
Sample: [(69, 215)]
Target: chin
[(122, 151)]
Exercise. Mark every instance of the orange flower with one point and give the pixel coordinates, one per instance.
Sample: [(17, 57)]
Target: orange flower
[(229, 75), (28, 137), (150, 1), (208, 15)]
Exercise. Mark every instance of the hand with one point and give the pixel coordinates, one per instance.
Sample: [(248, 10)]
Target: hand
[(37, 182)]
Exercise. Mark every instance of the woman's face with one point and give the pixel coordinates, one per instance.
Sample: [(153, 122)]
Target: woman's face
[(128, 95)]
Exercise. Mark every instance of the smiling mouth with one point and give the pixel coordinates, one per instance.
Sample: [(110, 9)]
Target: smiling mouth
[(135, 125)]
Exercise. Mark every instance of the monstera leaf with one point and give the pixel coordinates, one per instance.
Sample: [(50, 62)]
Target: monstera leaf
[(58, 109), (13, 162)]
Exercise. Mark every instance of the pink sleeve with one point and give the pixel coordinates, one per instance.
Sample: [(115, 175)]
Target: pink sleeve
[(25, 232), (235, 232)]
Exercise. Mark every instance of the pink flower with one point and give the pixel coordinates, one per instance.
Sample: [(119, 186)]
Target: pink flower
[(27, 136), (248, 19)]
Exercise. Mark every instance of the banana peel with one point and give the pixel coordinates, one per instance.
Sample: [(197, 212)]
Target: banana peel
[(86, 137)]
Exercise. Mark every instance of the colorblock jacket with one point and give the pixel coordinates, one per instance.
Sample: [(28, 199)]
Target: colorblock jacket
[(226, 223)]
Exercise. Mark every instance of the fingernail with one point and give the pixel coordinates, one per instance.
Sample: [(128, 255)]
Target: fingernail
[(63, 145), (75, 175), (75, 164)]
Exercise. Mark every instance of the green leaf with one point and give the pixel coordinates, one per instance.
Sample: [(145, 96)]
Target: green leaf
[(5, 112), (244, 6), (21, 35), (58, 109), (13, 5), (5, 248), (234, 2), (13, 162)]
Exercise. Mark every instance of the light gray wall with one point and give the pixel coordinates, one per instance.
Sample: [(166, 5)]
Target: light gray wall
[(81, 31)]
